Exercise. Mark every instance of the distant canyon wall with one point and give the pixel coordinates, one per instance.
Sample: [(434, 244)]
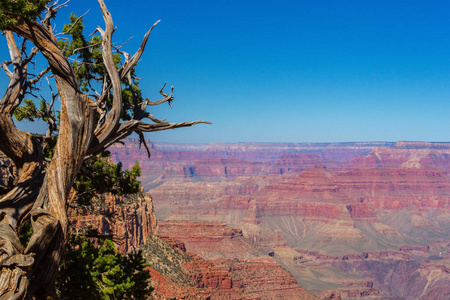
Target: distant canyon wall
[(358, 206)]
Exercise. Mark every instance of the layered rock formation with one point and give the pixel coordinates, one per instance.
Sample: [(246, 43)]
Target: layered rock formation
[(129, 219), (362, 208), (180, 274)]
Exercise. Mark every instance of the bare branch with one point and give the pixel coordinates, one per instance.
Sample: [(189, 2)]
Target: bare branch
[(118, 47), (39, 76), (81, 62), (112, 119), (14, 51), (131, 126), (5, 65), (90, 86), (86, 47), (167, 98), (15, 91), (54, 6), (50, 107), (33, 53), (74, 24), (23, 47), (142, 142), (51, 12), (145, 127), (148, 115), (128, 65)]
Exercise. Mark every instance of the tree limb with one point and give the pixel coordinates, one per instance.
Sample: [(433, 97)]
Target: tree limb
[(5, 65), (73, 25), (39, 76), (127, 66), (127, 128), (113, 117), (167, 98)]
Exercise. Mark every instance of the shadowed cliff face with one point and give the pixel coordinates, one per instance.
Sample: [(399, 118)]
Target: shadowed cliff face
[(130, 220)]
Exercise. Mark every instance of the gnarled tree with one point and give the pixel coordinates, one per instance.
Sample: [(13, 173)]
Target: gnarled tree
[(100, 104)]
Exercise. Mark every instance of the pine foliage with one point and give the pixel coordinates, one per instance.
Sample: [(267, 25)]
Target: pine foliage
[(100, 272), (13, 12)]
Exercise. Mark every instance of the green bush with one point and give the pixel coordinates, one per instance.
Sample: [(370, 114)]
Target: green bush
[(100, 272)]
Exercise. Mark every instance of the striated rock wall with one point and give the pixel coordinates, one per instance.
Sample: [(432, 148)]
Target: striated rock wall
[(184, 162), (129, 219), (226, 276)]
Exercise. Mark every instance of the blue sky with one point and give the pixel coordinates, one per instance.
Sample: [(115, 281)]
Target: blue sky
[(291, 71)]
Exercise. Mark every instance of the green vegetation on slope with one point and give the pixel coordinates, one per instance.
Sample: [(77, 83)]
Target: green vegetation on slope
[(165, 259)]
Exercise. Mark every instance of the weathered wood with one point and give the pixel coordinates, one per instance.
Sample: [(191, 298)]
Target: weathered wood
[(87, 127)]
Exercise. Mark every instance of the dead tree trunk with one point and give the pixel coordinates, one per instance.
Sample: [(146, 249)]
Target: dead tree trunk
[(87, 126)]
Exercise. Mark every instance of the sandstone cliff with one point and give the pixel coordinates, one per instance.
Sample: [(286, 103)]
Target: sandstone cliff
[(129, 219)]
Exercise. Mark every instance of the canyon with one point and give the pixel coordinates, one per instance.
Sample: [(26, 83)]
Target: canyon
[(130, 221), (358, 220), (283, 220)]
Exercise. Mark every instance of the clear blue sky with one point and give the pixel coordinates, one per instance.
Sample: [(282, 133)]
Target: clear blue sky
[(291, 71)]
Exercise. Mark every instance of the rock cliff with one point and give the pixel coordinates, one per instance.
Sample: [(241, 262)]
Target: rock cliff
[(180, 274), (129, 219)]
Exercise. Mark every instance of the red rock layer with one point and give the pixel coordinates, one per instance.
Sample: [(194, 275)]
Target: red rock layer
[(228, 279), (188, 161), (210, 240)]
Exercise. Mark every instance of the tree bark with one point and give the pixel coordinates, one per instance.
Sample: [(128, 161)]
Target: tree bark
[(77, 116), (48, 195), (42, 189)]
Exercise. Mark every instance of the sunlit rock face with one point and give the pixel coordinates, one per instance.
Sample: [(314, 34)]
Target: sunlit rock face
[(215, 274), (350, 220), (362, 220)]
